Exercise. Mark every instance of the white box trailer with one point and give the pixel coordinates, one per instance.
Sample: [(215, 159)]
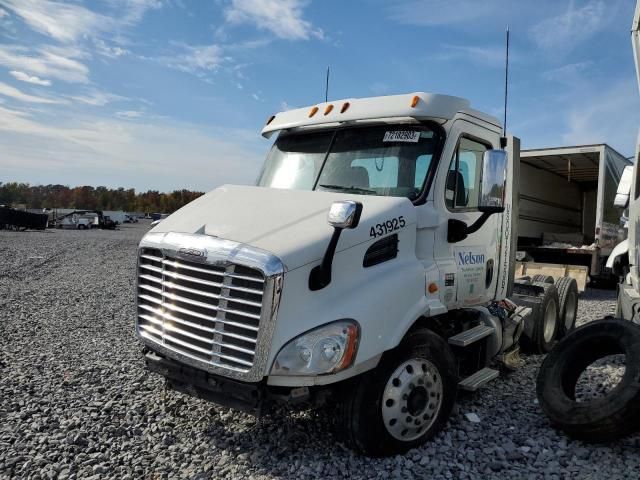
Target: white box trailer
[(567, 212)]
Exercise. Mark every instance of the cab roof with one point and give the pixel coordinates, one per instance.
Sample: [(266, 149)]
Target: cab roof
[(417, 105)]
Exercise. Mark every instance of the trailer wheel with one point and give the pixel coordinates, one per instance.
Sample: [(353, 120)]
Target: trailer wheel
[(568, 297), (605, 418), (542, 278), (541, 336), (405, 401)]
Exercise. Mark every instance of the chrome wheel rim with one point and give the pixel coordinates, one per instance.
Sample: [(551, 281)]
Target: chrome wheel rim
[(571, 305), (412, 399), (550, 319)]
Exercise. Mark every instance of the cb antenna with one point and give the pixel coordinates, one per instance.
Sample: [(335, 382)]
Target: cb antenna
[(506, 86), (326, 87)]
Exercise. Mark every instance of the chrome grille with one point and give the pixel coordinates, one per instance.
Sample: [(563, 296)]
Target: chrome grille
[(207, 313)]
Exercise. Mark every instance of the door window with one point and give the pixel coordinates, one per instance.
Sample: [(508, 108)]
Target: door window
[(463, 178)]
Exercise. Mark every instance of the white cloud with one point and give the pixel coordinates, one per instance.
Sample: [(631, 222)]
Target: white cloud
[(3, 13), (283, 18), (489, 55), (562, 33), (12, 92), (96, 150), (47, 61), (570, 74), (443, 12), (196, 59), (611, 115), (97, 98), (23, 77), (129, 114), (64, 22)]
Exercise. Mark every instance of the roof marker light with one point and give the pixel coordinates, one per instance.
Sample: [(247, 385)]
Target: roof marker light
[(328, 109), (345, 106), (415, 101), (271, 118), (313, 111)]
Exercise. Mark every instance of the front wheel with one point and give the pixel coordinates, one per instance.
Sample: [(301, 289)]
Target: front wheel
[(405, 401)]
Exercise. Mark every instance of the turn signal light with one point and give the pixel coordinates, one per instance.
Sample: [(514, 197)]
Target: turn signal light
[(345, 106), (328, 109), (415, 101), (313, 111)]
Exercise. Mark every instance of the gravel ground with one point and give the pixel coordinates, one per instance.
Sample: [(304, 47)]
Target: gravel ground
[(76, 402)]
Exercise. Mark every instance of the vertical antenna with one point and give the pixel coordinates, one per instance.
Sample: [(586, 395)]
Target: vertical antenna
[(326, 88), (506, 86)]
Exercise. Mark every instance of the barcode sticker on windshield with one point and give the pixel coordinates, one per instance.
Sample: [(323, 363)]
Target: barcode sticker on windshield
[(401, 136)]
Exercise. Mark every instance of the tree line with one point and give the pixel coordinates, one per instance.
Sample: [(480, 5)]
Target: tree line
[(93, 198)]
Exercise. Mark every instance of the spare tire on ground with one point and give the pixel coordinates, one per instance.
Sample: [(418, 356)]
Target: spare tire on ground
[(568, 297), (604, 418)]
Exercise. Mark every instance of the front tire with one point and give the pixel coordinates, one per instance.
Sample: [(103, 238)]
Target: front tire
[(405, 401)]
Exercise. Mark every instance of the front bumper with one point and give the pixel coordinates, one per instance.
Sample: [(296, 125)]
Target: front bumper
[(247, 397), (254, 398)]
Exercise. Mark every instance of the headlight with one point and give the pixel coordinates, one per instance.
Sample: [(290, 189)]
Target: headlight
[(326, 349)]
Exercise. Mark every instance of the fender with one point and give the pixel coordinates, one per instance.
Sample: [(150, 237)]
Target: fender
[(621, 249)]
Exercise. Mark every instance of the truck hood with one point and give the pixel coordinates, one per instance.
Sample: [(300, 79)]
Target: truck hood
[(291, 224)]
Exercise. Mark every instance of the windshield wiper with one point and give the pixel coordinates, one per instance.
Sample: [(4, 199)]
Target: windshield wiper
[(343, 188)]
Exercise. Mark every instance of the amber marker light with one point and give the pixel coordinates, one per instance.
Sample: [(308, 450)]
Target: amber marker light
[(415, 101), (313, 111), (345, 106), (433, 287), (327, 110)]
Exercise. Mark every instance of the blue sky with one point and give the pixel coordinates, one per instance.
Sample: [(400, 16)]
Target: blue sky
[(168, 94)]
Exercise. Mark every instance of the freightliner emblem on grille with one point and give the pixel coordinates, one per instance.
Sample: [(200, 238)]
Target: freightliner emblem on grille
[(193, 253)]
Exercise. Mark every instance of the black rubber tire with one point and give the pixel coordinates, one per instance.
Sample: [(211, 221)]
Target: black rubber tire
[(542, 278), (606, 418), (361, 406), (533, 339), (567, 293)]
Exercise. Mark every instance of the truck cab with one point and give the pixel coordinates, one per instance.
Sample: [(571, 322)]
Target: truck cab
[(371, 264)]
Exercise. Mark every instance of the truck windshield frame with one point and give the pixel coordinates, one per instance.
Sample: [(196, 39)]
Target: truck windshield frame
[(396, 160)]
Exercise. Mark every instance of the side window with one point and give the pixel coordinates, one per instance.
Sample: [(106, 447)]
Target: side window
[(463, 178)]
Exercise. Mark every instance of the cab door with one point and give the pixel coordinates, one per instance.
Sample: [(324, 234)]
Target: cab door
[(469, 267)]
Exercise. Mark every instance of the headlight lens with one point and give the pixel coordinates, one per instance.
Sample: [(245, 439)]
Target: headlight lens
[(326, 349)]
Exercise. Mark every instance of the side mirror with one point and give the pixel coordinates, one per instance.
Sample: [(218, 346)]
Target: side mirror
[(345, 214), (493, 182)]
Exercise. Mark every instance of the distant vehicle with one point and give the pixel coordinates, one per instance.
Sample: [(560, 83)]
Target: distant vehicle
[(130, 219), (86, 219)]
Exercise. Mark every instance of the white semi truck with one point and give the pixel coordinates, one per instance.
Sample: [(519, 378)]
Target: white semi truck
[(625, 258), (372, 264)]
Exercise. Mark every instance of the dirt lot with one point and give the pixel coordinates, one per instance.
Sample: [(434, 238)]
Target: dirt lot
[(76, 402)]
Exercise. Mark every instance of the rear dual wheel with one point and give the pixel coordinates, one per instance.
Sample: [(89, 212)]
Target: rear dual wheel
[(405, 401)]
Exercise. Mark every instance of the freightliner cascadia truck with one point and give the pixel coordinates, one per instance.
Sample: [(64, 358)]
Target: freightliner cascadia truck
[(372, 265)]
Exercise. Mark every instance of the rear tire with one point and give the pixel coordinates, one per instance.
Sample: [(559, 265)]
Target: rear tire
[(542, 278), (405, 401), (541, 335), (605, 418), (568, 298)]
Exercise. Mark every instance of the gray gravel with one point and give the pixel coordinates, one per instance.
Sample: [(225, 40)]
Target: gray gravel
[(75, 401)]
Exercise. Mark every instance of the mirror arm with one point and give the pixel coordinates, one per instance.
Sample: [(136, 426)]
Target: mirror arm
[(320, 275), (477, 225)]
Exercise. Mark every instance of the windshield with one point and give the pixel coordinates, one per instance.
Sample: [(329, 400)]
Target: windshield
[(381, 160)]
